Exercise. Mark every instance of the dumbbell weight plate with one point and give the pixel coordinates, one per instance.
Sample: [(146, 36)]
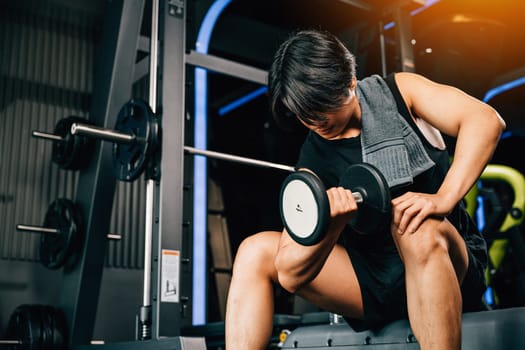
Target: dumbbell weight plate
[(375, 212), (130, 159), (57, 249), (73, 152), (304, 207)]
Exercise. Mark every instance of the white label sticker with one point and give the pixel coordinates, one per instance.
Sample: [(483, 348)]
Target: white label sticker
[(170, 276)]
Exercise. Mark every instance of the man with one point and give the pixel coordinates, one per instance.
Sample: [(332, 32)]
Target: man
[(430, 265)]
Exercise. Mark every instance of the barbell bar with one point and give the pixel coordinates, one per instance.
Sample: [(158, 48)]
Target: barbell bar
[(50, 230), (102, 133), (46, 136), (123, 138), (10, 342)]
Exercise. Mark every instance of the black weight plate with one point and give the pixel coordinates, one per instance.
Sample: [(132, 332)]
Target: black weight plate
[(304, 207), (375, 212), (45, 333), (56, 249), (25, 326), (57, 330), (130, 160), (73, 152)]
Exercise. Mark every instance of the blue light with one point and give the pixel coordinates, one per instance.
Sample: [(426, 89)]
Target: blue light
[(498, 90), (506, 135), (488, 296), (502, 88), (480, 211), (428, 3), (200, 190), (389, 25), (241, 101)]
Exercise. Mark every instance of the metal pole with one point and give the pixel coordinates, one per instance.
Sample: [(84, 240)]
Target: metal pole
[(382, 47), (238, 159), (115, 136), (46, 136), (145, 310), (101, 133), (37, 229)]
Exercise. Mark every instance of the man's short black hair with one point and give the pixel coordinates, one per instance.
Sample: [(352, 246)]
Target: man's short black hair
[(310, 74)]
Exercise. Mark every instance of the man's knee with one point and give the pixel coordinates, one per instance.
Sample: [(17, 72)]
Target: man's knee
[(257, 252), (429, 241)]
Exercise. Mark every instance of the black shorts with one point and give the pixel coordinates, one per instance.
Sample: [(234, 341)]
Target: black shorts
[(381, 275)]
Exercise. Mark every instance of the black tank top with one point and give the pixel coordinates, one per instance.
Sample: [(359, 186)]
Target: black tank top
[(330, 158)]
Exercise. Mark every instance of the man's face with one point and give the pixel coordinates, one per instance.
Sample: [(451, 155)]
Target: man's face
[(338, 122)]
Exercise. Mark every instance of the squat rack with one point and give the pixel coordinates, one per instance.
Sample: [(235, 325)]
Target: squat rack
[(113, 80)]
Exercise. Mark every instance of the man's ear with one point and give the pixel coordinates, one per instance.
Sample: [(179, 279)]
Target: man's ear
[(353, 84)]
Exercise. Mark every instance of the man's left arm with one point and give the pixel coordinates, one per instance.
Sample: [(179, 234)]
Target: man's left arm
[(476, 126)]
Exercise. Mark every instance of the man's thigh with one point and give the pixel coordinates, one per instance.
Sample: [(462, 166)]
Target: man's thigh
[(336, 287)]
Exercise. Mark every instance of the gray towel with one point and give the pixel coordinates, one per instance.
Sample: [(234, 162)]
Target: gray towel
[(387, 141)]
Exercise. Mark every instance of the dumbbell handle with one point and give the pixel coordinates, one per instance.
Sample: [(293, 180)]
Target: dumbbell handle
[(358, 197), (101, 133), (10, 342)]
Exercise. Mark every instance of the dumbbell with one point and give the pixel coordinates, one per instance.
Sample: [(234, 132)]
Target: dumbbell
[(305, 209)]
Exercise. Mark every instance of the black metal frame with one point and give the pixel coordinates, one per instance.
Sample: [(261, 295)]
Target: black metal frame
[(114, 80), (81, 284)]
